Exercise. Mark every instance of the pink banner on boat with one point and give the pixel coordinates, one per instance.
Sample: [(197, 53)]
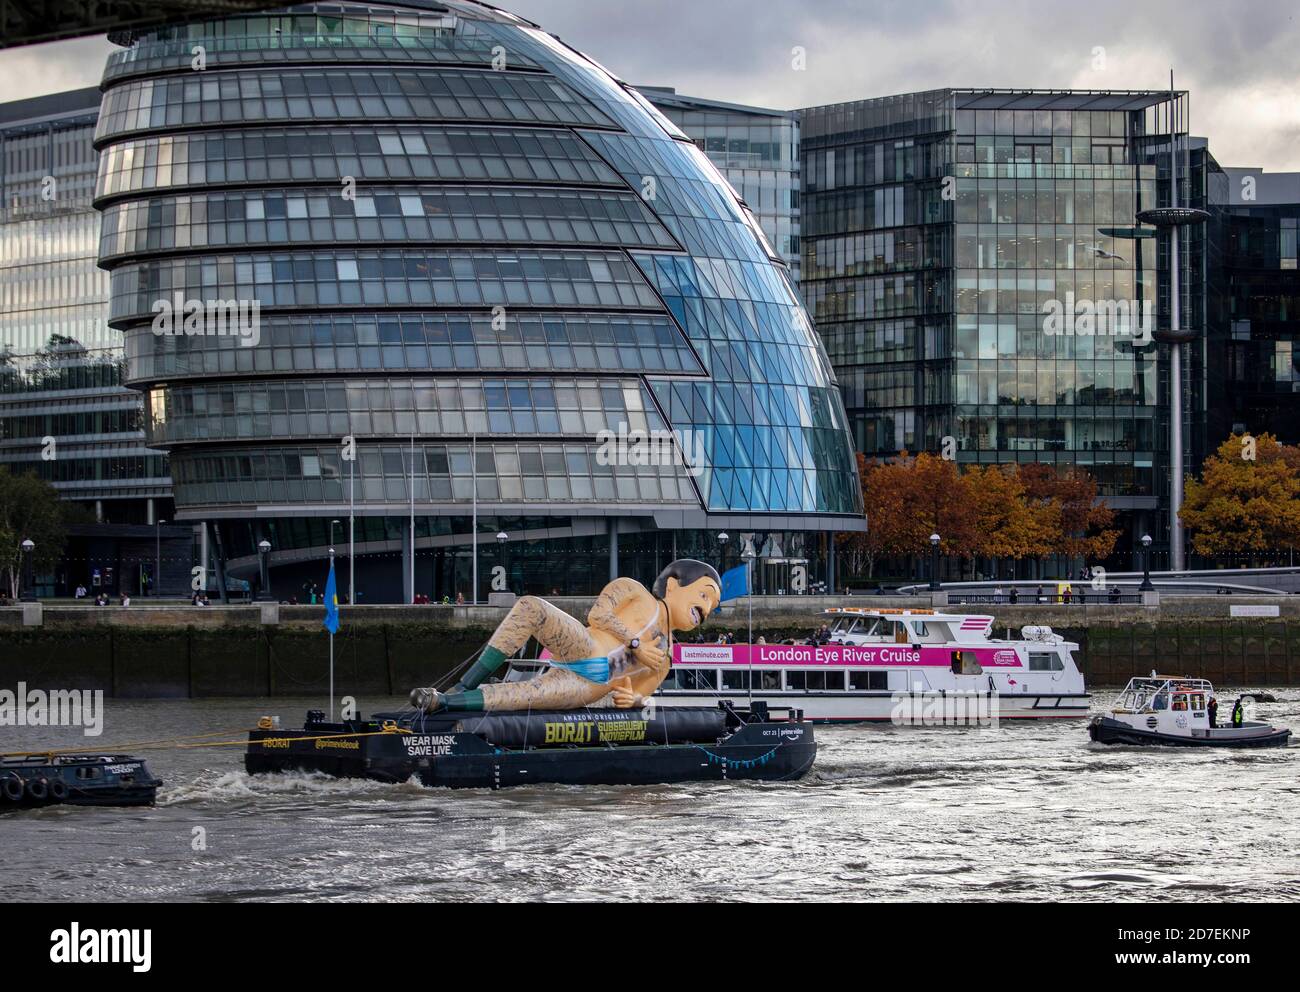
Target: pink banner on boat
[(885, 655)]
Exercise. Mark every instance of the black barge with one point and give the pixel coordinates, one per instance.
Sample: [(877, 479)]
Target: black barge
[(34, 780), (573, 747)]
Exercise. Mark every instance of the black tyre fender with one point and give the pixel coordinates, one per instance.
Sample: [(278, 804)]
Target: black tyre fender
[(38, 789), (11, 787)]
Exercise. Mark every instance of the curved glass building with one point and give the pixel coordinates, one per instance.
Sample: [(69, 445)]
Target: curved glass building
[(424, 266)]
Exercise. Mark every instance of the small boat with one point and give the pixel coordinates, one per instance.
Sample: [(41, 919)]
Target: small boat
[(598, 746), (1164, 709), (76, 780)]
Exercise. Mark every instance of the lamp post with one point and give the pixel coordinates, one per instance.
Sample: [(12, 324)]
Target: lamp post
[(1146, 585), (264, 551), (157, 554), (934, 562), (28, 592), (1173, 218), (502, 538)]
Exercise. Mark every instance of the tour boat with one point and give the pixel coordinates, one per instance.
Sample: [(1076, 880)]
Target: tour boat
[(1165, 709), (903, 666)]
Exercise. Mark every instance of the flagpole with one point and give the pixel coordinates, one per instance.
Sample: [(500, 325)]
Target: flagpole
[(473, 465), (352, 535), (412, 485), (327, 607), (749, 590)]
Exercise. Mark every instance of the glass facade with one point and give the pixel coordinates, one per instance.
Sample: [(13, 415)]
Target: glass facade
[(1254, 330), (473, 250), (939, 229), (64, 411), (757, 150)]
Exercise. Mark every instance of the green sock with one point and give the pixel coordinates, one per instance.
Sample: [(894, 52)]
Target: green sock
[(463, 702), (488, 662)]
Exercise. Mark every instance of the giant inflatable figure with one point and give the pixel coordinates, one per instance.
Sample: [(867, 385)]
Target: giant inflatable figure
[(620, 657)]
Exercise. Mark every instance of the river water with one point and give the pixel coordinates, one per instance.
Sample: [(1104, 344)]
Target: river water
[(1021, 812)]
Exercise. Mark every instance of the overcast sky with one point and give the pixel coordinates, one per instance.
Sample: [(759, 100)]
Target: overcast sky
[(1241, 61)]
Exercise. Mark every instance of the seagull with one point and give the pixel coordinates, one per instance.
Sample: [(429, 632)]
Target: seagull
[(1101, 252)]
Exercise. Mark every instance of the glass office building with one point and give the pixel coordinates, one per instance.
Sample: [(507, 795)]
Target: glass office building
[(1254, 330), (938, 226), (65, 414), (481, 257), (756, 149)]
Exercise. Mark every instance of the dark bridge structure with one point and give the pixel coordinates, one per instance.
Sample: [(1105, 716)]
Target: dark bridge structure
[(30, 22)]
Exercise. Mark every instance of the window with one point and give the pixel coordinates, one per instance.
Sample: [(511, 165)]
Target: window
[(1043, 662), (697, 678), (735, 679), (869, 681)]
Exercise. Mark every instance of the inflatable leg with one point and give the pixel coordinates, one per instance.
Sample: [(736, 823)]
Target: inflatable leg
[(564, 636), (554, 689)]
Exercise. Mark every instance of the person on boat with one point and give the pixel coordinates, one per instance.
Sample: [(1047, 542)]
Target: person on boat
[(1213, 710), (1238, 714), (1015, 595), (620, 657)]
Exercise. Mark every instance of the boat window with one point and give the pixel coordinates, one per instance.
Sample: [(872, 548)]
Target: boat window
[(1198, 701), (697, 678), (796, 680), (869, 680), (1180, 701), (966, 663), (835, 680), (1044, 661), (735, 678), (768, 678), (1161, 702), (84, 773), (900, 631)]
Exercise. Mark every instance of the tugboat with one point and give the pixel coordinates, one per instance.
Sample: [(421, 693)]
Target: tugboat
[(75, 779), (594, 746), (1163, 709)]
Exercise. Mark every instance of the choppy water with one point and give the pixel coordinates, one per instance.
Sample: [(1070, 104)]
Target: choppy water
[(1029, 812)]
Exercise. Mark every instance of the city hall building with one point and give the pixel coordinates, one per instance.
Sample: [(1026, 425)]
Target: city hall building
[(425, 266)]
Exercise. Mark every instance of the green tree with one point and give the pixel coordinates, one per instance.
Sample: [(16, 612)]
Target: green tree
[(29, 510)]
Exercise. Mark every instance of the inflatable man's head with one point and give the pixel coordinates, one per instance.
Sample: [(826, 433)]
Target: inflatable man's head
[(691, 590)]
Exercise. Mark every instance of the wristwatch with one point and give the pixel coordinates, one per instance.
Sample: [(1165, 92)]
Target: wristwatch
[(634, 643)]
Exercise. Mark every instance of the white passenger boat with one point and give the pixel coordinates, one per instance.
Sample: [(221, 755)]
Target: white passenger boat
[(1167, 709), (903, 666)]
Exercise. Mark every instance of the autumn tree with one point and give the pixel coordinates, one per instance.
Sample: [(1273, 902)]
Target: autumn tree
[(1073, 520), (1247, 499), (1006, 526)]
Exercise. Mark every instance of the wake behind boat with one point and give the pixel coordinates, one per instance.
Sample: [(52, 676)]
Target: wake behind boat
[(1163, 709)]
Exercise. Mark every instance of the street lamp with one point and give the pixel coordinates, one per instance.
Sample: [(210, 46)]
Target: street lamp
[(264, 594), (1146, 585), (157, 555), (723, 538), (28, 594), (934, 562), (502, 537)]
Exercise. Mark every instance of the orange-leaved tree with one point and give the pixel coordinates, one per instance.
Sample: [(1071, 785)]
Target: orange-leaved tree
[(1074, 521), (1247, 499)]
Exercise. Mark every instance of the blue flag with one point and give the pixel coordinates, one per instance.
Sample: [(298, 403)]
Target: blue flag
[(331, 602), (735, 583)]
